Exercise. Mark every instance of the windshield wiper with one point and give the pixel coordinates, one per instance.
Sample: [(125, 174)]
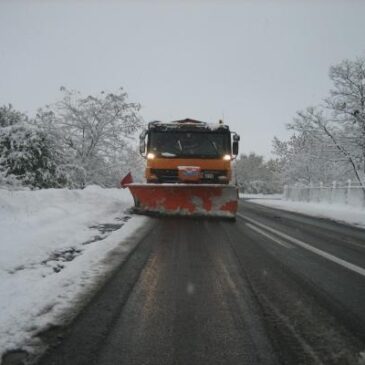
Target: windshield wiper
[(180, 146), (214, 145)]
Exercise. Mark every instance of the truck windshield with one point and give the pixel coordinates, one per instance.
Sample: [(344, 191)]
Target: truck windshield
[(189, 144)]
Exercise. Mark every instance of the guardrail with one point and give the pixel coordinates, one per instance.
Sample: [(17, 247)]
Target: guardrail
[(338, 193)]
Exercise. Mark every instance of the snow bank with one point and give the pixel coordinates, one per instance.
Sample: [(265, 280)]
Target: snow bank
[(261, 196), (53, 248), (342, 213)]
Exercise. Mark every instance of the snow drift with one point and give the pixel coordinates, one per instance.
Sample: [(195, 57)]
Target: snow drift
[(53, 248)]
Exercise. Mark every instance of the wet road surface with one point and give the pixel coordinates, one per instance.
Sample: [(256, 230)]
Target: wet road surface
[(271, 288)]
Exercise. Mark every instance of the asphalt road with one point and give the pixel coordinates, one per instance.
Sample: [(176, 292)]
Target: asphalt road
[(271, 288)]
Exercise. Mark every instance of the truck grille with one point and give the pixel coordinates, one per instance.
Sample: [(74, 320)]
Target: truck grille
[(171, 175)]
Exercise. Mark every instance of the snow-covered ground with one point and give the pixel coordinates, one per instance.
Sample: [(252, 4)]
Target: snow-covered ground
[(338, 212), (55, 246), (261, 196)]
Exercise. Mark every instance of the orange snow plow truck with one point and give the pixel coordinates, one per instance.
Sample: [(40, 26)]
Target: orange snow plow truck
[(188, 171)]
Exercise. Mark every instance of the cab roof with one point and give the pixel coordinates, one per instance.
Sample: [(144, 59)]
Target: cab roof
[(188, 123)]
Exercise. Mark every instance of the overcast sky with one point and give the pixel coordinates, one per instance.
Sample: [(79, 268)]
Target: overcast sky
[(255, 62)]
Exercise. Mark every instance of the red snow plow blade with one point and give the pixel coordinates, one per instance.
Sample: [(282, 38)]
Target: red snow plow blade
[(185, 199)]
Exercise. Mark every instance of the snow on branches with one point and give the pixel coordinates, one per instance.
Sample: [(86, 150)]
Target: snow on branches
[(26, 155), (254, 175), (75, 142), (94, 134), (329, 139)]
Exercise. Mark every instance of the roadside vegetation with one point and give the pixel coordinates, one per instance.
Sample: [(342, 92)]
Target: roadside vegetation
[(80, 141), (254, 175), (76, 142), (327, 145), (328, 141)]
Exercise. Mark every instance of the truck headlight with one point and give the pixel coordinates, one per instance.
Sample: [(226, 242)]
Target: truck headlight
[(150, 156), (227, 157)]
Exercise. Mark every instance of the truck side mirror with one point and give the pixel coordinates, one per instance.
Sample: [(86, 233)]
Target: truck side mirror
[(142, 142), (142, 146), (235, 148)]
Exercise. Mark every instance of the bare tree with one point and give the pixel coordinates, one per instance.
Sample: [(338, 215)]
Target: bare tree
[(254, 175), (94, 133), (334, 139), (334, 132), (347, 108)]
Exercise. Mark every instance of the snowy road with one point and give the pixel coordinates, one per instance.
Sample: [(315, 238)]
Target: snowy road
[(272, 288)]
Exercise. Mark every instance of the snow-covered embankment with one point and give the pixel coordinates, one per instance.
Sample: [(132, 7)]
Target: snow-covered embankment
[(338, 212), (55, 245)]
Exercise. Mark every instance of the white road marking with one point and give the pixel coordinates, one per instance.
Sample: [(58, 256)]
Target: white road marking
[(284, 244), (328, 256)]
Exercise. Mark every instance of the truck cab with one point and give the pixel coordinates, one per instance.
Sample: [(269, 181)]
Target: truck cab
[(188, 151)]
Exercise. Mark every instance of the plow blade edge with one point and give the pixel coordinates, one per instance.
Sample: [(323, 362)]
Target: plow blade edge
[(185, 199)]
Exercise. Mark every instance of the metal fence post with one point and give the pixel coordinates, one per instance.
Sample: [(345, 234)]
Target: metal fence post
[(297, 193), (333, 192), (348, 191), (286, 197), (310, 195), (320, 191)]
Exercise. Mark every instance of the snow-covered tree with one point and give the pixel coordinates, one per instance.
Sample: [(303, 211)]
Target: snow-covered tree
[(330, 138), (345, 125), (26, 154), (306, 159), (93, 134), (254, 175), (335, 141), (10, 116)]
